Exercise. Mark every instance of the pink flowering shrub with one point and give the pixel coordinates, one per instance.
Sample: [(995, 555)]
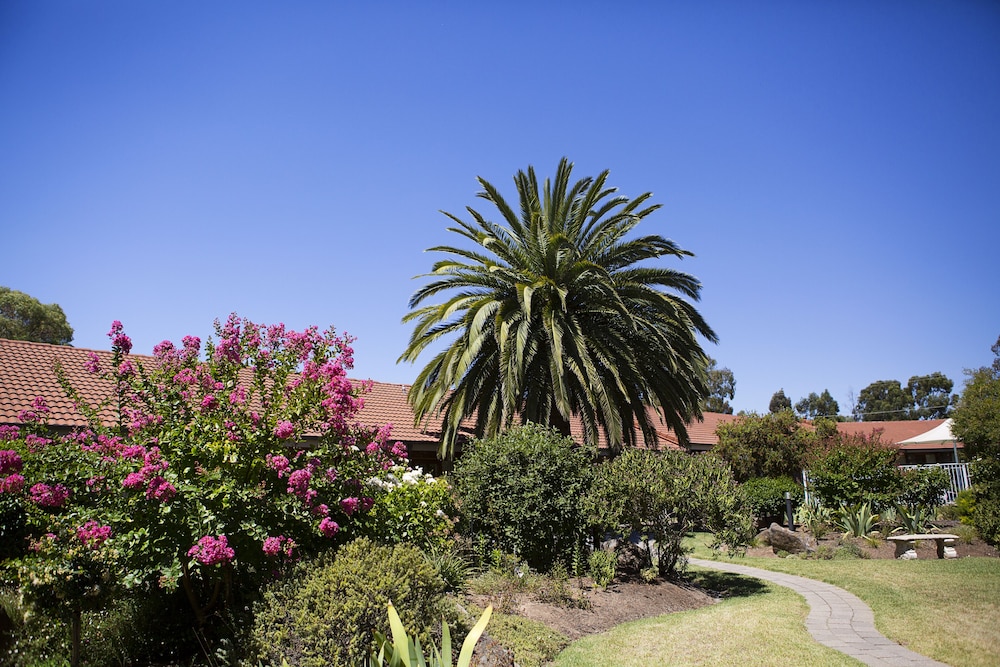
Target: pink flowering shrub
[(225, 455)]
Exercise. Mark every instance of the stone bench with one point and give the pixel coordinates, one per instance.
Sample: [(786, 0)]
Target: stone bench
[(906, 549)]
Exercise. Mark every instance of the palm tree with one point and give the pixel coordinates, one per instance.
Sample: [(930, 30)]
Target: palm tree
[(553, 317)]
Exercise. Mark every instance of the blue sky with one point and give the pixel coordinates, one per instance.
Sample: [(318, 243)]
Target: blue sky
[(835, 167)]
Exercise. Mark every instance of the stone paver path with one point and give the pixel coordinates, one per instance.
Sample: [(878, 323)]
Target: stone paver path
[(837, 619)]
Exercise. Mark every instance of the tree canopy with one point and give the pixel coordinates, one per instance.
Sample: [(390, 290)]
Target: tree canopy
[(23, 317), (721, 388), (925, 397), (779, 402), (818, 405), (553, 313)]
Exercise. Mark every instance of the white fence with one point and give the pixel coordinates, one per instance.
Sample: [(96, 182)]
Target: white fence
[(958, 474)]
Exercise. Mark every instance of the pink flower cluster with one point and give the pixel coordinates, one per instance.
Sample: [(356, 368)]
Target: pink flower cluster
[(280, 544), (11, 481), (284, 430), (349, 505), (10, 461), (160, 489), (118, 339), (157, 488), (39, 408), (93, 534), (9, 432), (328, 527), (212, 550), (93, 363), (277, 463), (44, 495)]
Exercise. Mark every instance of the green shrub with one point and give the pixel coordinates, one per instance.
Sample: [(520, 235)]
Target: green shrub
[(534, 644), (923, 488), (663, 496), (815, 518), (450, 564), (766, 497), (326, 612), (771, 445), (855, 470), (986, 498), (415, 508), (521, 492), (965, 502), (603, 566)]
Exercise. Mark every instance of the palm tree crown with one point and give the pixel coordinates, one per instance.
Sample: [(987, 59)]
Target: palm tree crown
[(553, 317)]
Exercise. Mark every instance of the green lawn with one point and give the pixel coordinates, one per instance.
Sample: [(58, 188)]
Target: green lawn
[(759, 625), (946, 609)]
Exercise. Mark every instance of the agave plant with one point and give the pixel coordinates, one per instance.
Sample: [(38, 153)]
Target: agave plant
[(915, 520), (857, 521), (405, 651)]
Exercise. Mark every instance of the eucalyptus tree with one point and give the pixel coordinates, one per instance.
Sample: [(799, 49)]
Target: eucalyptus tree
[(550, 313)]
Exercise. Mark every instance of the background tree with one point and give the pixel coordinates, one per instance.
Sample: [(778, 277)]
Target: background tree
[(977, 424), (931, 396), (818, 405), (779, 402), (883, 400), (553, 316), (925, 397), (721, 386), (23, 317)]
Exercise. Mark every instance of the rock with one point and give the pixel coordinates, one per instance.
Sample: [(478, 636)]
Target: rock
[(490, 653), (782, 539), (763, 538)]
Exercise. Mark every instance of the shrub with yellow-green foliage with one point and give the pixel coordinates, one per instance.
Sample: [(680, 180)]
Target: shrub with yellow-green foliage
[(326, 613)]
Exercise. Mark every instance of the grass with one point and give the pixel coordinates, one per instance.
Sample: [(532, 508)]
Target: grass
[(946, 609), (756, 624)]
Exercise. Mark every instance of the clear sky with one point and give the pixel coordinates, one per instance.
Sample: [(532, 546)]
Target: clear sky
[(834, 166)]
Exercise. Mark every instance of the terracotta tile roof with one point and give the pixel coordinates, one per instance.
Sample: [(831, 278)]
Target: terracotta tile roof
[(27, 370), (896, 431)]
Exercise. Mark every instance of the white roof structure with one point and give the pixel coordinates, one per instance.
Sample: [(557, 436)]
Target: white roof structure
[(939, 434)]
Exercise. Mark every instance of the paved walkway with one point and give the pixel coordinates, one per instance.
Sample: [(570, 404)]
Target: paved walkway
[(837, 619)]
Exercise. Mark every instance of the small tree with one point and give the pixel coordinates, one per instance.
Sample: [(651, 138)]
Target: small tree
[(522, 491), (771, 445), (663, 496)]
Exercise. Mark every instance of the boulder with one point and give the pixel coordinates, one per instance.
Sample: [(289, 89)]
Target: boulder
[(782, 539), (763, 538), (490, 653)]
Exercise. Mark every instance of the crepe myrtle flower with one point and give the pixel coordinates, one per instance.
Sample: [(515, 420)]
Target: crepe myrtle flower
[(212, 550)]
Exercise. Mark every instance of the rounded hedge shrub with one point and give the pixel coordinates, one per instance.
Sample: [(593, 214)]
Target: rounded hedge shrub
[(766, 497), (326, 613), (521, 492)]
